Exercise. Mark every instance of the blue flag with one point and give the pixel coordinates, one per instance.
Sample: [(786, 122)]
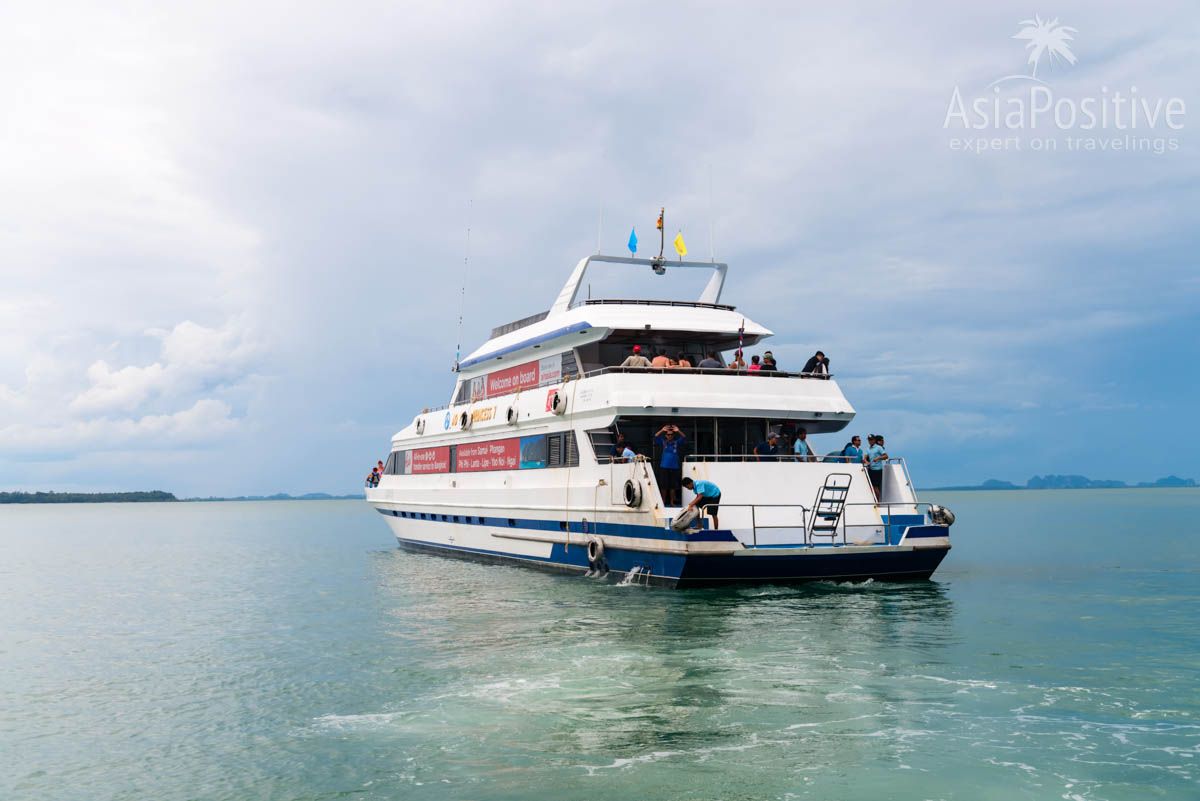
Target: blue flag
[(633, 240)]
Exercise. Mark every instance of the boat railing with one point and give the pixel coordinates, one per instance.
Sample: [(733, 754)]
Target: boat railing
[(609, 370), (768, 517), (784, 457), (799, 519), (706, 371), (694, 304)]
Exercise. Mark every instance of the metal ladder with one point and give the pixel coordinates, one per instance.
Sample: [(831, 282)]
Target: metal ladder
[(829, 506)]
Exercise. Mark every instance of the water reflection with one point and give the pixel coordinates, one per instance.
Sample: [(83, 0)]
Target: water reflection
[(606, 674)]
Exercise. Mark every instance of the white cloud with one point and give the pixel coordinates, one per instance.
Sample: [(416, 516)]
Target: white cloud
[(193, 358), (203, 424)]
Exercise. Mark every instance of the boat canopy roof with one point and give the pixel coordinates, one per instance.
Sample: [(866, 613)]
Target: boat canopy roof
[(570, 323)]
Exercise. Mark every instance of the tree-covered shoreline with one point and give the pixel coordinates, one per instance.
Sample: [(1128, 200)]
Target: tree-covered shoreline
[(152, 496)]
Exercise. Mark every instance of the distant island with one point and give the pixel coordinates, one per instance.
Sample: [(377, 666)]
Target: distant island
[(156, 496), (153, 496), (283, 496), (1074, 482)]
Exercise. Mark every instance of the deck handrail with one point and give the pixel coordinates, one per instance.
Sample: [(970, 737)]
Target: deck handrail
[(754, 526), (695, 304), (706, 371), (785, 457), (617, 369)]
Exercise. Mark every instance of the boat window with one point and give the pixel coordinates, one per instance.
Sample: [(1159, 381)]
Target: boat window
[(674, 344), (721, 437)]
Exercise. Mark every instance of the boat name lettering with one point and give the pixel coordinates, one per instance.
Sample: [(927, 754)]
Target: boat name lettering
[(518, 377), (483, 415)]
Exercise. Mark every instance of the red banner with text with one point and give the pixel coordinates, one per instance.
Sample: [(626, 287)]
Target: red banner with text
[(427, 460), (500, 454)]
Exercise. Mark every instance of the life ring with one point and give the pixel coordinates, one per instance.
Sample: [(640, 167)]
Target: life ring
[(595, 551), (558, 403), (464, 421), (512, 415), (420, 425), (633, 494)]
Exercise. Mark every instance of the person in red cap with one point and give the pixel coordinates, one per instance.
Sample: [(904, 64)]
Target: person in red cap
[(636, 359)]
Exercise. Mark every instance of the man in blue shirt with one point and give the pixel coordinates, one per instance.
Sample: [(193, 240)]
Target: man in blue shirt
[(802, 449), (671, 440), (708, 496), (876, 458), (853, 451), (769, 449)]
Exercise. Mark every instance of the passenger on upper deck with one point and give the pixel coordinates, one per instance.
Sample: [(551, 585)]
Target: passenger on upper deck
[(755, 363), (768, 362), (802, 449), (876, 458), (738, 362), (768, 448), (660, 359), (852, 452), (636, 359), (683, 361), (710, 362), (817, 365)]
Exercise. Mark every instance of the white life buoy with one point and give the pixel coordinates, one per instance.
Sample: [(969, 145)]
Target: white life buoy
[(512, 415), (464, 421), (420, 425), (558, 404), (595, 551), (633, 494)]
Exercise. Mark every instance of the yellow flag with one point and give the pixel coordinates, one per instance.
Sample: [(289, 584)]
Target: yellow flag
[(680, 247)]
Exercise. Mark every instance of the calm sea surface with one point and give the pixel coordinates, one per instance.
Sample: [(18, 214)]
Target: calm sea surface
[(287, 650)]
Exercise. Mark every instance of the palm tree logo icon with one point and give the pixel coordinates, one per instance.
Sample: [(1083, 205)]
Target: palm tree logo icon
[(1043, 38), (1046, 38)]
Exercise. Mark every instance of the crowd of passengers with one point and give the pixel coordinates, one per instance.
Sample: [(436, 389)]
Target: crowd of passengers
[(817, 365), (778, 446)]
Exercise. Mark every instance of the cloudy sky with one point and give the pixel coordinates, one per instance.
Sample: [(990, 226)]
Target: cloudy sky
[(232, 235)]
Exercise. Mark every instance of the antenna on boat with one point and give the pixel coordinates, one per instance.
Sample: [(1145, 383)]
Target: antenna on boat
[(462, 298), (712, 248), (599, 229)]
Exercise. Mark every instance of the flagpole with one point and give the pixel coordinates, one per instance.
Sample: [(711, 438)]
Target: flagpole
[(662, 231)]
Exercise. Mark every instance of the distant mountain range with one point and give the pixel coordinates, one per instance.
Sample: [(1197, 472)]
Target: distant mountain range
[(283, 496), (1074, 482)]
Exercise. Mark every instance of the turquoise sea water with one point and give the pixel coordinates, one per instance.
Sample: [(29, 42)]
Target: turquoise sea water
[(287, 650)]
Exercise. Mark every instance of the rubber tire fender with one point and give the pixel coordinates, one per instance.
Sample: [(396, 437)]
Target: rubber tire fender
[(595, 551), (633, 494)]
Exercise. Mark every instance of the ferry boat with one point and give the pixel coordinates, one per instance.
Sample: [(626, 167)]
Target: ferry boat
[(520, 467)]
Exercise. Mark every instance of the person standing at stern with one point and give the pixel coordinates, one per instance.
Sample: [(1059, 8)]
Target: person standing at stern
[(876, 458), (708, 497), (670, 439)]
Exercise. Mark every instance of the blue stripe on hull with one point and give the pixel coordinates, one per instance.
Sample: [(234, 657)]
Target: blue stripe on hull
[(694, 571), (574, 526)]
